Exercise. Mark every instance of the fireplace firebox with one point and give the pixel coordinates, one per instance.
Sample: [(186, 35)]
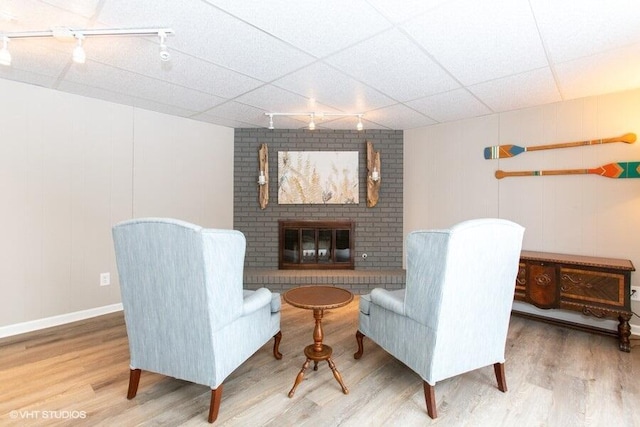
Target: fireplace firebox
[(311, 244)]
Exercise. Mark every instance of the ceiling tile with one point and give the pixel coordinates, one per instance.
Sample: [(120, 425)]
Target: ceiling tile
[(125, 82), (398, 11), (576, 29), (203, 31), (398, 116), (238, 112), (123, 98), (404, 72), (274, 99), (86, 8), (520, 91), (140, 55), (454, 105), (331, 87), (305, 25), (607, 72), (480, 41)]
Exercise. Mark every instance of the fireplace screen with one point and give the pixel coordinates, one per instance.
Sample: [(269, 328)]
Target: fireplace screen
[(316, 244)]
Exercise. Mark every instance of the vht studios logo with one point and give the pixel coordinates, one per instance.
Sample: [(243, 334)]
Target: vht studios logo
[(47, 415)]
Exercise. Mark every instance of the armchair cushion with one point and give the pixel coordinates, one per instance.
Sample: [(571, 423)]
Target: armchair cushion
[(389, 300)]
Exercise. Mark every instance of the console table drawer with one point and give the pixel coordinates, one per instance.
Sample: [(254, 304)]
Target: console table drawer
[(593, 287)]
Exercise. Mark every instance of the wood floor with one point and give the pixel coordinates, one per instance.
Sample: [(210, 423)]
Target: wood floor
[(77, 374)]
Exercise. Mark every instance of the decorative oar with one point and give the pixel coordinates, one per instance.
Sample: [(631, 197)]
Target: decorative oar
[(504, 151), (611, 170)]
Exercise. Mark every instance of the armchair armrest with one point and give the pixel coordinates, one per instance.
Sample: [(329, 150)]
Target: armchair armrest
[(254, 300), (390, 300)]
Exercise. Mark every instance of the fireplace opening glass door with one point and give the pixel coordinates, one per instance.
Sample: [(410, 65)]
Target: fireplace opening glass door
[(316, 244)]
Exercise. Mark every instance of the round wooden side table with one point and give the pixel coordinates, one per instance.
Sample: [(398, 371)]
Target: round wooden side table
[(318, 299)]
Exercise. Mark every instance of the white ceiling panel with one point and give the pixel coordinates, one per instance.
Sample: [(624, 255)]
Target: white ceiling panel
[(604, 73), (306, 24), (402, 63), (86, 8), (455, 105), (331, 87), (123, 98), (519, 91), (125, 82), (204, 31), (274, 99), (140, 55), (480, 41), (573, 29), (398, 11), (404, 72), (399, 116)]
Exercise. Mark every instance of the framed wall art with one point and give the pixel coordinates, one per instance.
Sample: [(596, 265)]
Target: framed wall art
[(318, 177)]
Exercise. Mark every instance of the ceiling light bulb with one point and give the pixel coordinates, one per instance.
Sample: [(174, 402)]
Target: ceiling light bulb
[(5, 55), (312, 124), (359, 125), (164, 52), (79, 56)]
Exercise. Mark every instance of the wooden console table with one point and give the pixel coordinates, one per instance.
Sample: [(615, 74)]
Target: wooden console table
[(599, 287)]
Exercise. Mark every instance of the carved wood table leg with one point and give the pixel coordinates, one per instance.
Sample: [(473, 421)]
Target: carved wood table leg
[(337, 375), (624, 332), (299, 377)]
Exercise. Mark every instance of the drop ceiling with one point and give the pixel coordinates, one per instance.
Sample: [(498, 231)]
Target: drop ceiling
[(402, 63)]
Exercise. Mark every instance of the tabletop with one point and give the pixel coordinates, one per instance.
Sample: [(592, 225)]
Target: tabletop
[(315, 297)]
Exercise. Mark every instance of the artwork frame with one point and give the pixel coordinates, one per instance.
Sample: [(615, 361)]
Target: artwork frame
[(318, 177)]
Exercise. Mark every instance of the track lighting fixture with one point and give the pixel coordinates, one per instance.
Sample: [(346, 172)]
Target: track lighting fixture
[(313, 115), (79, 55), (5, 55), (164, 53)]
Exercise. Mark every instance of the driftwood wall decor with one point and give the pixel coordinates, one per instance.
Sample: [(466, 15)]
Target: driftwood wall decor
[(263, 177), (373, 175)]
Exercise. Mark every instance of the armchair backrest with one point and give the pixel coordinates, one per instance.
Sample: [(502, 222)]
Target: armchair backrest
[(179, 284), (460, 283)]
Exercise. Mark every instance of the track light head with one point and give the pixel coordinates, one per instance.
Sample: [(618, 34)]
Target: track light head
[(312, 124), (5, 55), (164, 52), (79, 55), (359, 126), (271, 122)]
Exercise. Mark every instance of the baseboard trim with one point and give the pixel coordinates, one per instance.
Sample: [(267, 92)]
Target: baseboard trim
[(47, 322)]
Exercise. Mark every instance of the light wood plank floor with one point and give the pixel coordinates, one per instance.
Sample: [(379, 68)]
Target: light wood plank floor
[(77, 374)]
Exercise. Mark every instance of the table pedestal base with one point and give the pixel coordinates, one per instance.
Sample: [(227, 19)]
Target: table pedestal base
[(317, 356)]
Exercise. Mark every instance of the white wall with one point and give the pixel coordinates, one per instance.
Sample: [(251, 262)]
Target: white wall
[(447, 179), (70, 168)]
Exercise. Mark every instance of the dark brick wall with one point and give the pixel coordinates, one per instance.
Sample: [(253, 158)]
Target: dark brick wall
[(378, 229)]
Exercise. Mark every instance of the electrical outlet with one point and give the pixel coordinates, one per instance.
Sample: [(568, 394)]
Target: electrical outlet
[(105, 279), (635, 293)]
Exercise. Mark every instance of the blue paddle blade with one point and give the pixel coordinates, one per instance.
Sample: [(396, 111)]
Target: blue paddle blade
[(502, 151)]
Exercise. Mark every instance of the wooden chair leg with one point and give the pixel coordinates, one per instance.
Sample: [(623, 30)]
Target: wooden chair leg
[(502, 380), (276, 345), (214, 407), (359, 337), (430, 398), (134, 380)]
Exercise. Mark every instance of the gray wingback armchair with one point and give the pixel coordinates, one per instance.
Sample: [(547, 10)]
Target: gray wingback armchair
[(186, 313), (453, 315)]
